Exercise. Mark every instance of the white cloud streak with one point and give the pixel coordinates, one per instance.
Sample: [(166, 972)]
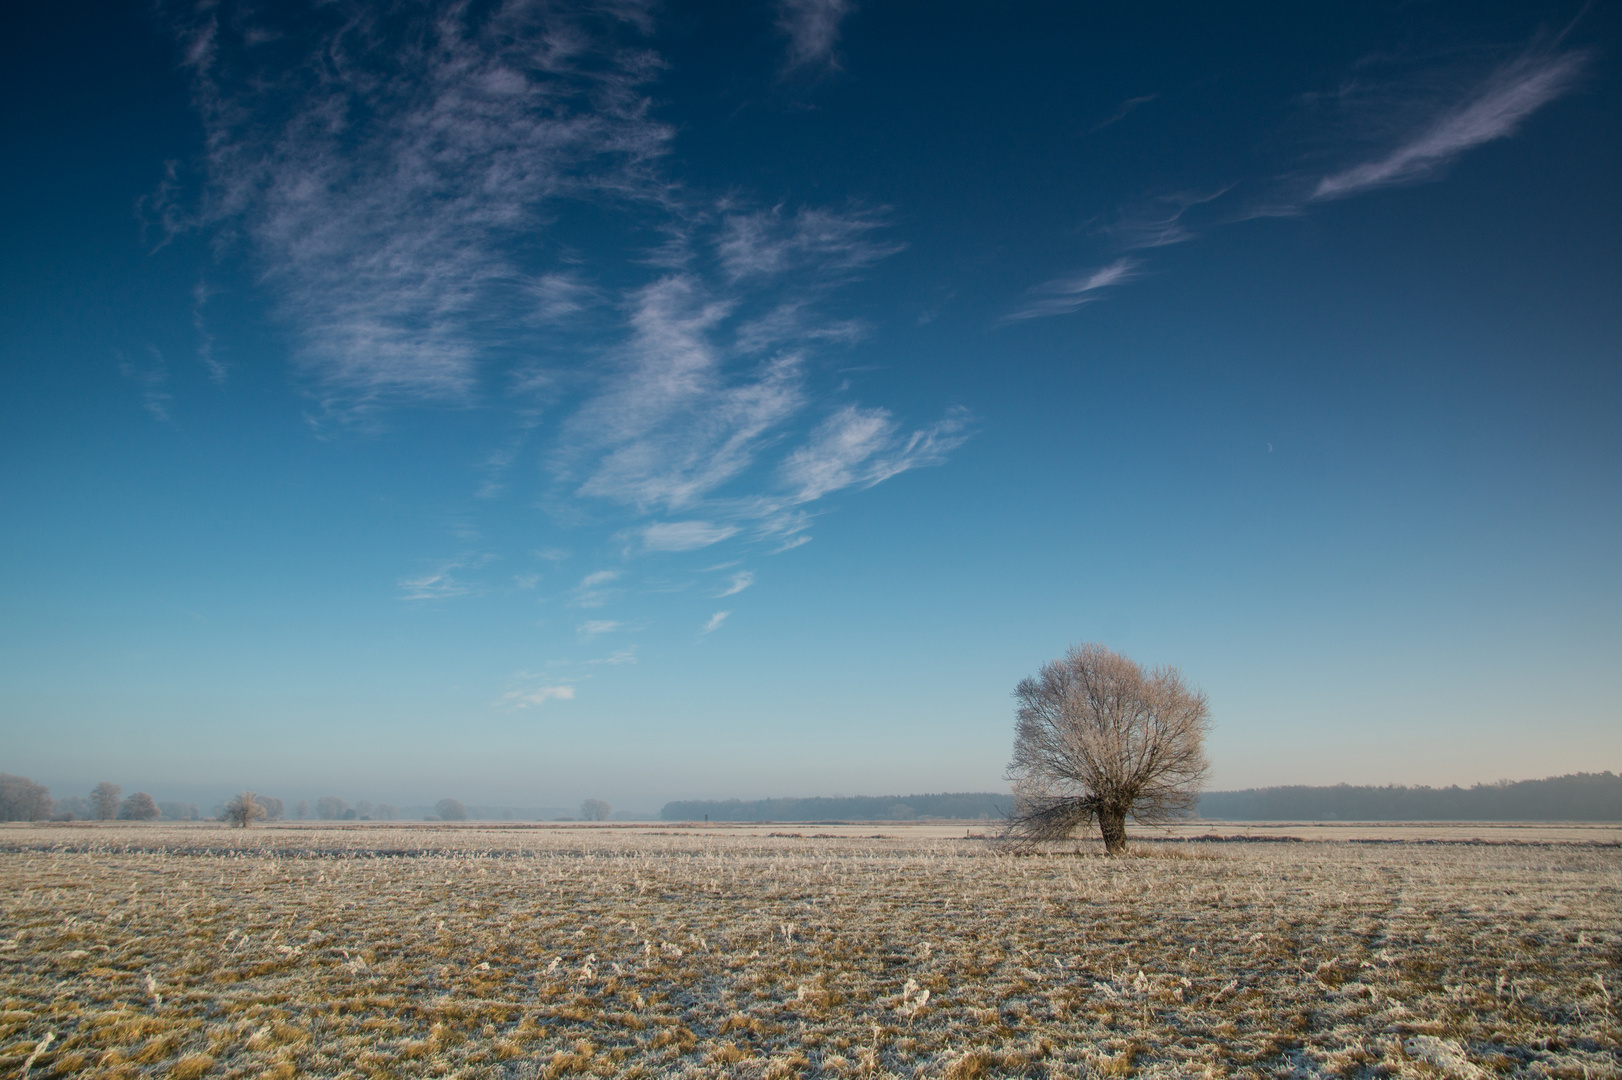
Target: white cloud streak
[(1494, 111), (812, 27), (860, 447), (715, 622), (445, 581), (525, 697), (1061, 296), (740, 581), (395, 170), (154, 398), (386, 163), (675, 424), (768, 242), (685, 535)]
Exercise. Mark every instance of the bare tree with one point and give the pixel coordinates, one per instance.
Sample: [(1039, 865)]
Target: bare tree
[(104, 800), (243, 810), (302, 810), (23, 800), (1099, 739), (330, 808), (272, 807), (138, 807), (450, 810), (595, 810)]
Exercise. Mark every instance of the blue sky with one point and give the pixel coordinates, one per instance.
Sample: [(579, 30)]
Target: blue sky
[(526, 402)]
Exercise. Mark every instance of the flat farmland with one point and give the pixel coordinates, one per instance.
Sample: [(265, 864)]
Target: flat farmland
[(496, 951)]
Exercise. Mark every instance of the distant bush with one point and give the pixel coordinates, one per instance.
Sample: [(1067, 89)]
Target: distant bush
[(138, 807), (243, 810), (450, 810)]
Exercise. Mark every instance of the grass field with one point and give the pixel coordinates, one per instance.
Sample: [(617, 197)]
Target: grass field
[(526, 952)]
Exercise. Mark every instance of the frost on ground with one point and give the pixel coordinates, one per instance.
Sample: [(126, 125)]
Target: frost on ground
[(386, 952)]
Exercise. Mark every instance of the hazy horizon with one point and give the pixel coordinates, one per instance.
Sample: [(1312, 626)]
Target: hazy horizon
[(677, 401)]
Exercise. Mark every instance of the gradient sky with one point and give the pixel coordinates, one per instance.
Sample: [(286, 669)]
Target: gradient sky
[(525, 402)]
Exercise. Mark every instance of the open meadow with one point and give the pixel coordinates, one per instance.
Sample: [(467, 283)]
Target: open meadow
[(536, 951)]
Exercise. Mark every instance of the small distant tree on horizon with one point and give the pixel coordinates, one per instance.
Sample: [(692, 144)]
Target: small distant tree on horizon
[(450, 810), (179, 811), (595, 810), (104, 800), (21, 799), (1099, 739), (330, 808), (139, 807), (243, 810), (302, 809)]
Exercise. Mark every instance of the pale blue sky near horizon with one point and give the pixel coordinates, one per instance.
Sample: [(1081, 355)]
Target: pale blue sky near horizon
[(527, 402)]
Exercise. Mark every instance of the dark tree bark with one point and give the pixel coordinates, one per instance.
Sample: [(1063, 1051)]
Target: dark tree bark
[(1112, 823)]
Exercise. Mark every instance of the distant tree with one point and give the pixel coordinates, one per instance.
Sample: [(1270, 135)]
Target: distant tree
[(23, 800), (72, 808), (302, 810), (179, 811), (364, 809), (104, 800), (1099, 739), (138, 807), (272, 807), (243, 810), (330, 807), (595, 810), (450, 810), (386, 811)]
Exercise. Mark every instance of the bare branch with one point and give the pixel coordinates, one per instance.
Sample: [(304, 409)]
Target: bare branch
[(1099, 739)]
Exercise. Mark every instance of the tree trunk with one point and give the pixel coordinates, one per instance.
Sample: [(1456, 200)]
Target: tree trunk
[(1113, 825)]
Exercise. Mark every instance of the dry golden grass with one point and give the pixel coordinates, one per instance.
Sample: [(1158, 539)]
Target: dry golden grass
[(382, 952)]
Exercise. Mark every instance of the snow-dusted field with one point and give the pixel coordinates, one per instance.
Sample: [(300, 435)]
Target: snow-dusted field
[(868, 950)]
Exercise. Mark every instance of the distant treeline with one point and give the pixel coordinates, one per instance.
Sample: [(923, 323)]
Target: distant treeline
[(1577, 797), (960, 806)]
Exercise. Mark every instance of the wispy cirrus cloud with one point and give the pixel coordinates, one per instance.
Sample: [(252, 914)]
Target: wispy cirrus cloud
[(768, 242), (1125, 109), (1398, 131), (685, 535), (1061, 296), (715, 622), (151, 376), (400, 174), (595, 627), (860, 447), (533, 692), (593, 590), (1493, 110), (386, 161), (812, 28), (740, 581), (446, 580)]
